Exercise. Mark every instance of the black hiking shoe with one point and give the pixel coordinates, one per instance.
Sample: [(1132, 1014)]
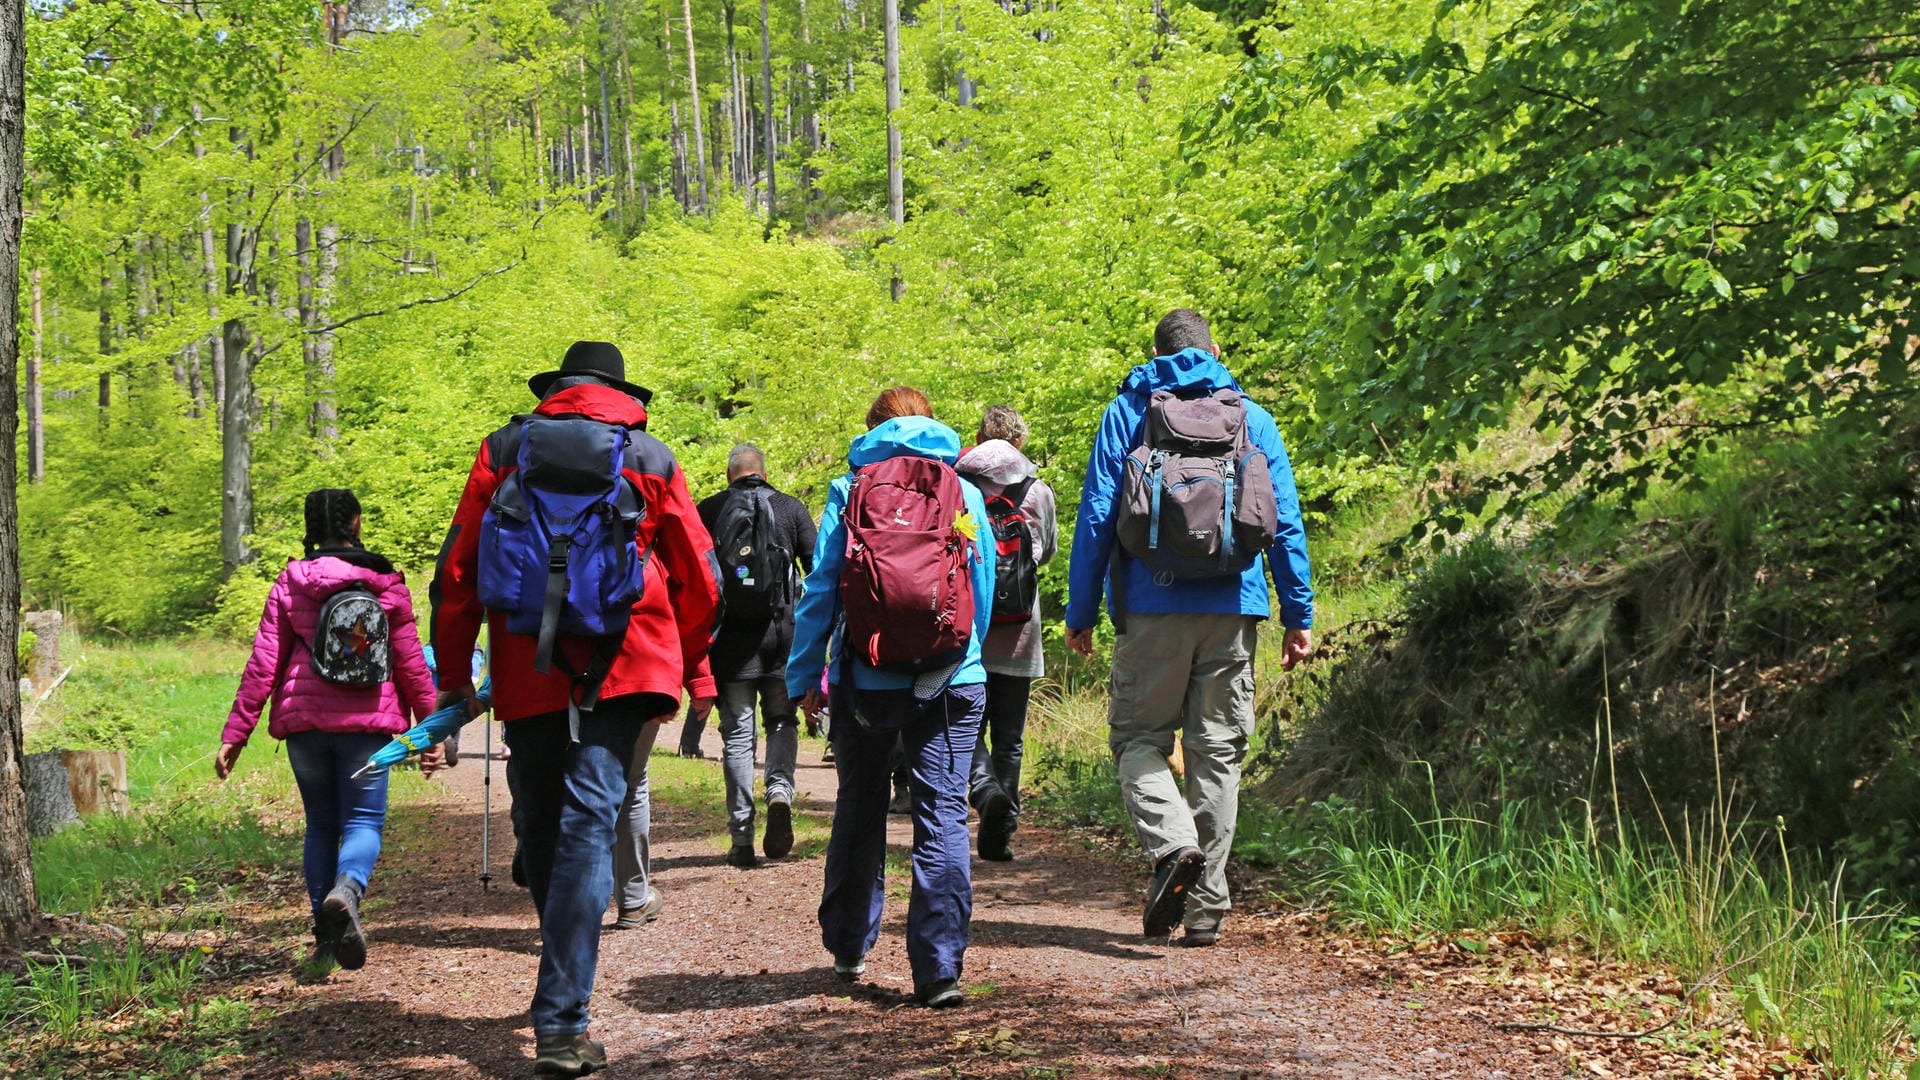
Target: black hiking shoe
[(996, 803), (1167, 896), (519, 870), (944, 994), (1201, 937), (779, 839), (340, 921), (901, 803), (567, 1055), (849, 968), (996, 835), (741, 855)]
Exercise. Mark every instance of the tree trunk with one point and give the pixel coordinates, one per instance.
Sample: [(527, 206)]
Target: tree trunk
[(106, 339), (767, 144), (586, 133), (809, 87), (36, 417), (896, 187), (539, 158), (210, 284), (693, 91), (236, 416), (19, 911)]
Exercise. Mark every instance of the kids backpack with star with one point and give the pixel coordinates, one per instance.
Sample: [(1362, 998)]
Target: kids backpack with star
[(350, 644)]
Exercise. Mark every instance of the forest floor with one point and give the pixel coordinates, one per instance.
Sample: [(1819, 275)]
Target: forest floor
[(732, 981)]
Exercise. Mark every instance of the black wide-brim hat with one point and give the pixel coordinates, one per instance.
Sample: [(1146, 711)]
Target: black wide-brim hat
[(597, 360)]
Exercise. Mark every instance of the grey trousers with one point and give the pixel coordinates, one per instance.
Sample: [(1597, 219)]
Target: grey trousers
[(633, 828), (739, 739), (1189, 676)]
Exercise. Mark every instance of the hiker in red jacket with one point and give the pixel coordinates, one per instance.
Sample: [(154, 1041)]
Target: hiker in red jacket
[(572, 728)]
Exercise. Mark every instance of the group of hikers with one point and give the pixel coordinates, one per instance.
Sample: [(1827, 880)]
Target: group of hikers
[(907, 620)]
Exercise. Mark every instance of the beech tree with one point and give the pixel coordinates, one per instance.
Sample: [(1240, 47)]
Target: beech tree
[(19, 913)]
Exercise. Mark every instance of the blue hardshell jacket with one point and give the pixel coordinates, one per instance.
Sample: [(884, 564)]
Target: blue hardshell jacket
[(1188, 373), (816, 619)]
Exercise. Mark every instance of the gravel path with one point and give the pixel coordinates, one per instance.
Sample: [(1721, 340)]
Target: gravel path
[(732, 981)]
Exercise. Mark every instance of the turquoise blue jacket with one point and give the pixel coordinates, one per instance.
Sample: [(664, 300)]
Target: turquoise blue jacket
[(1191, 372), (816, 619)]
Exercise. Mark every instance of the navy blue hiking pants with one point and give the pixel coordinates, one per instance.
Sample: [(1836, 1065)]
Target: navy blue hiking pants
[(940, 740)]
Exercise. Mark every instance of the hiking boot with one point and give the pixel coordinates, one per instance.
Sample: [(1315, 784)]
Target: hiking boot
[(634, 918), (519, 870), (901, 803), (779, 838), (741, 855), (944, 994), (340, 921), (1200, 937), (322, 962), (996, 834), (996, 803), (1167, 896), (849, 968), (567, 1055)]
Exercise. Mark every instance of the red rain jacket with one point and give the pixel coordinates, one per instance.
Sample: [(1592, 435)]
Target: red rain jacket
[(666, 644)]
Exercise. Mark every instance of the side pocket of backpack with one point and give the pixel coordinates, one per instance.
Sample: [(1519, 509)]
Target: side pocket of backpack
[(508, 540)]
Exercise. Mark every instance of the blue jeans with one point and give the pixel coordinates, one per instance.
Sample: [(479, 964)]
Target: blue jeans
[(939, 744), (344, 815), (566, 799)]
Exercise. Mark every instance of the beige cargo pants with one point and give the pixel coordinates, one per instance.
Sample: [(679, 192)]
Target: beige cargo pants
[(1190, 676)]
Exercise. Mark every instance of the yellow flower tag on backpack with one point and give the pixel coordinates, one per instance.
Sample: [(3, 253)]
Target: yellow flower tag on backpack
[(967, 527)]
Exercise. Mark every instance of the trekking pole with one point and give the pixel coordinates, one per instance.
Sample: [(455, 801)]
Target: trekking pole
[(486, 798)]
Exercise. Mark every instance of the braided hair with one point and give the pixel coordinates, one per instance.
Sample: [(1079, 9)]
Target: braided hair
[(330, 514)]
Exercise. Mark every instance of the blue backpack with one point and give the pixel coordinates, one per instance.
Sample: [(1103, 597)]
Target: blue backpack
[(557, 545)]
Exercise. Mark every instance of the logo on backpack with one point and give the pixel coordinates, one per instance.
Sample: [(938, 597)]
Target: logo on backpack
[(1016, 574), (350, 646), (905, 589), (756, 573), (557, 542), (1197, 500)]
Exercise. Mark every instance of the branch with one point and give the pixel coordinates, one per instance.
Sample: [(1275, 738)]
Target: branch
[(395, 309)]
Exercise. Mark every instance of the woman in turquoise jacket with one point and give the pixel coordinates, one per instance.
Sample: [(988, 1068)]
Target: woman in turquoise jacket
[(871, 709)]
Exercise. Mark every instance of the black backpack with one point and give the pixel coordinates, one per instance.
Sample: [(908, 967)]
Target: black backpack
[(755, 571), (350, 644), (1016, 576)]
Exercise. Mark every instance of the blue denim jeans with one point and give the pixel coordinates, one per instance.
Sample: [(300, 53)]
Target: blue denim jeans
[(939, 745), (566, 799), (344, 815)]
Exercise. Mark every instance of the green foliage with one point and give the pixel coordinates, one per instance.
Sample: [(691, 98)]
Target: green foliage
[(1647, 239)]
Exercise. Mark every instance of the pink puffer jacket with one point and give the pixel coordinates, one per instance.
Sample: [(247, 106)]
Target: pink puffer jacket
[(280, 667)]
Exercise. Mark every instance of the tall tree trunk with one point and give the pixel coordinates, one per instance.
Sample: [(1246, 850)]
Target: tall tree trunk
[(326, 409), (539, 158), (896, 187), (767, 144), (586, 134), (36, 417), (106, 339), (236, 413), (693, 92), (809, 87), (210, 284), (19, 911)]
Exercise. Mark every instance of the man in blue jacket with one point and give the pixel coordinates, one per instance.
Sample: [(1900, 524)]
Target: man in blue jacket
[(1183, 657)]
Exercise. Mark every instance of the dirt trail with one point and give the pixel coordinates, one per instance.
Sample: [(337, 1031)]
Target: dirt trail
[(732, 981)]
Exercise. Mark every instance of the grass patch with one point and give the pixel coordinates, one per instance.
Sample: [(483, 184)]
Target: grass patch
[(161, 908)]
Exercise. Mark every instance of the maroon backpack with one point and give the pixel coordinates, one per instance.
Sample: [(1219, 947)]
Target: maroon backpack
[(905, 589)]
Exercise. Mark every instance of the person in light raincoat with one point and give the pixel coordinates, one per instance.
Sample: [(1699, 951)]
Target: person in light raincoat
[(872, 708), (1012, 652), (331, 729)]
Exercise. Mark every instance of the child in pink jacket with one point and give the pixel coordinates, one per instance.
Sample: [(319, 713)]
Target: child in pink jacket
[(332, 726)]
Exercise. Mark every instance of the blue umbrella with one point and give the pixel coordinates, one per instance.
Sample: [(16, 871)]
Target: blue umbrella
[(422, 736)]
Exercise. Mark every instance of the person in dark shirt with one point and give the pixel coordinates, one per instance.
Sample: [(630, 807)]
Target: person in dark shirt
[(749, 654)]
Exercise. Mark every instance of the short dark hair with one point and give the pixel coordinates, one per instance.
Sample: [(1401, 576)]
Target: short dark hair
[(1181, 328)]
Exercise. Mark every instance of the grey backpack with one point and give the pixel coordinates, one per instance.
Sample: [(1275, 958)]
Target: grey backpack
[(1197, 499)]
